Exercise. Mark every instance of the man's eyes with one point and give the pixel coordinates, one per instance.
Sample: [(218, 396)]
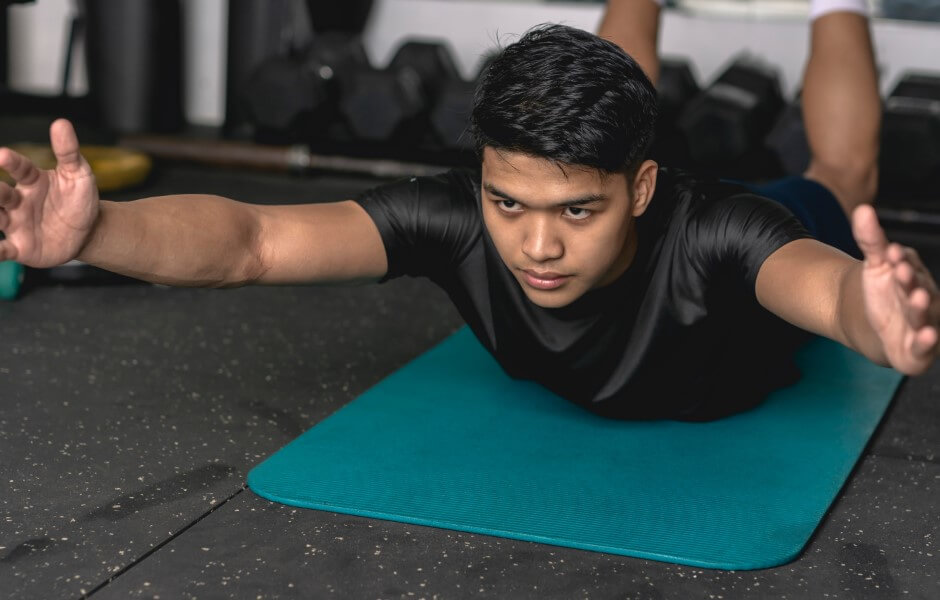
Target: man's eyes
[(575, 213)]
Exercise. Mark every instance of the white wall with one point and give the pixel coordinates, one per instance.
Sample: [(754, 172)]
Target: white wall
[(38, 34), (37, 45), (471, 26)]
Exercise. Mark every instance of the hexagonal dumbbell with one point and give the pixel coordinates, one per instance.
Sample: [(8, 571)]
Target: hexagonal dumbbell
[(293, 97), (393, 103), (677, 86), (726, 122), (451, 114), (788, 142), (910, 135)]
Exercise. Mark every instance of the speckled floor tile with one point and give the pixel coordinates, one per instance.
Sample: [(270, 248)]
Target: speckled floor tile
[(127, 412), (912, 428), (129, 416), (878, 542)]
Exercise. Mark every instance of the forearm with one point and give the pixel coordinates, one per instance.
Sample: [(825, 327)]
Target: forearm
[(853, 325), (819, 289), (634, 26), (181, 240), (887, 307)]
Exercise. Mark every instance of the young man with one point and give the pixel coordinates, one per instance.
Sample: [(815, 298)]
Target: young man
[(633, 291)]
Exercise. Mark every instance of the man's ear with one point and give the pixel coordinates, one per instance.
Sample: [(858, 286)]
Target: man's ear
[(644, 185)]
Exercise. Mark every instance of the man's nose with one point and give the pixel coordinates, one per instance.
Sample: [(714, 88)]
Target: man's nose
[(542, 242)]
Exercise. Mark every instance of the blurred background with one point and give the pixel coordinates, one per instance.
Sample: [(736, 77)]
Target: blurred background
[(131, 413), (304, 84)]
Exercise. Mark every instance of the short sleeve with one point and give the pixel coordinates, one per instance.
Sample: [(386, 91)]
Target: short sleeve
[(427, 224), (738, 232)]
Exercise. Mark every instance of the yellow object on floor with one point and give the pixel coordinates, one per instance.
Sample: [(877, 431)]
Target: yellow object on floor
[(114, 168)]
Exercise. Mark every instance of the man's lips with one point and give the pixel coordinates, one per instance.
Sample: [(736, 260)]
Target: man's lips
[(544, 280)]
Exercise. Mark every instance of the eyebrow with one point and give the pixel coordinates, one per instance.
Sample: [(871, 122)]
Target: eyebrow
[(589, 199)]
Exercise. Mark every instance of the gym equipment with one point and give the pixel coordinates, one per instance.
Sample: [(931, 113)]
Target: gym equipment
[(276, 158), (4, 34), (134, 52), (292, 98), (382, 105), (451, 113), (257, 30), (726, 123), (58, 105), (16, 279), (451, 441), (349, 16), (11, 279), (676, 87), (787, 140), (114, 168), (914, 10), (910, 135)]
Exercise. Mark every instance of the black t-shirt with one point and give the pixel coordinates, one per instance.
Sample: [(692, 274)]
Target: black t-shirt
[(679, 335)]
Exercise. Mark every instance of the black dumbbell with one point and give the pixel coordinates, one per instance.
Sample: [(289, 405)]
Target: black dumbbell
[(290, 98), (451, 113), (16, 279), (676, 87), (787, 140), (910, 134), (726, 122), (389, 104)]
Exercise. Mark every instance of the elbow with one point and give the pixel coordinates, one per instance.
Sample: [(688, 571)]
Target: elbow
[(253, 263)]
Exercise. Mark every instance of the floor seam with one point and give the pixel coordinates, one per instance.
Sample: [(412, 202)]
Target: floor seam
[(172, 537), (907, 457)]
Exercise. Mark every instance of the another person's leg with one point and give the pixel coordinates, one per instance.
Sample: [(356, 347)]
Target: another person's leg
[(841, 104), (634, 26)]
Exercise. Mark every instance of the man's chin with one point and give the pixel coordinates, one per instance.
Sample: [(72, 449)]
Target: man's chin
[(551, 298)]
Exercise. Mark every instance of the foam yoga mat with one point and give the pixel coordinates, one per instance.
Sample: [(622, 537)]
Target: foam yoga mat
[(450, 441)]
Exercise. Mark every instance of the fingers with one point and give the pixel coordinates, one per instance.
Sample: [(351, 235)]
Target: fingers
[(917, 291), (66, 149), (905, 275), (869, 235), (918, 302), (925, 342), (924, 278), (8, 197), (909, 270), (6, 200), (18, 166), (7, 250)]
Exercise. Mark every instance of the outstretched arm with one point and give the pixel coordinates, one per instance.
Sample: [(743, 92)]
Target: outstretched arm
[(634, 26), (886, 307), (51, 217)]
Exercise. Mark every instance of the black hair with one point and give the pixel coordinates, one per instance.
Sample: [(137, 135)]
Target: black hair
[(569, 96)]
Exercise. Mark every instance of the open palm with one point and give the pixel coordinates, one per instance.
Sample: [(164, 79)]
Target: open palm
[(47, 216), (902, 302)]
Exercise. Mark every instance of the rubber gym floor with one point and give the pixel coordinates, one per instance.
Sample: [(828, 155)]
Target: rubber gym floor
[(130, 415)]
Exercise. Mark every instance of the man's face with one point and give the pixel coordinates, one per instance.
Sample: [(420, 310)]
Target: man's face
[(560, 232)]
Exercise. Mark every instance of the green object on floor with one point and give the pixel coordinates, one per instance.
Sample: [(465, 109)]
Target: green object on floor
[(451, 441), (11, 278)]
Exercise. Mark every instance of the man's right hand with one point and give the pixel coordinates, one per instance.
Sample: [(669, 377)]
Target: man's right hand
[(48, 216)]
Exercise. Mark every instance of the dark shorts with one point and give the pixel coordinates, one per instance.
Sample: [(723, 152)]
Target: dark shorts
[(815, 206)]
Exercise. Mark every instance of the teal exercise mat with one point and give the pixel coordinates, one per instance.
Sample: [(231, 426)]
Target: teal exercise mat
[(451, 441)]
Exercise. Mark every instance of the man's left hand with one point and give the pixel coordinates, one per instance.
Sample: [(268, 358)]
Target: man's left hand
[(901, 298)]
